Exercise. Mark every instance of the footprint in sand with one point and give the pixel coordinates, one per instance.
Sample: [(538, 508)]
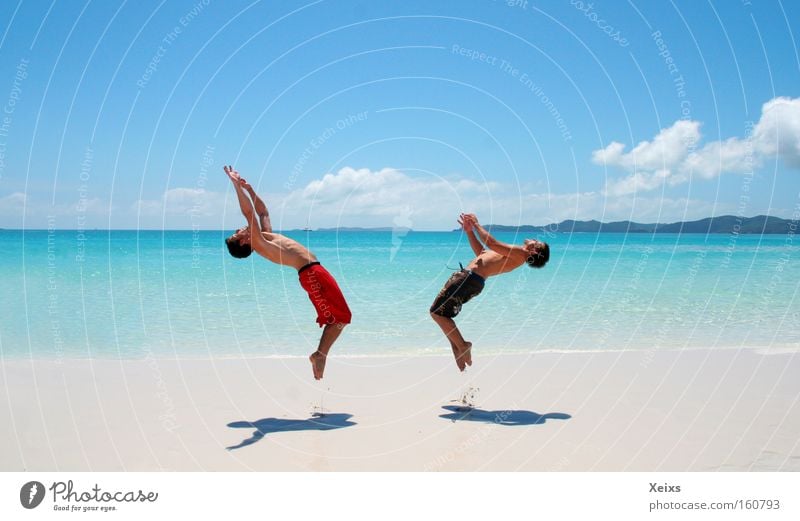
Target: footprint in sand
[(468, 397)]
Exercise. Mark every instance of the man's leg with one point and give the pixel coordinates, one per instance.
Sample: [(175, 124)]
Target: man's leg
[(461, 348), (318, 357)]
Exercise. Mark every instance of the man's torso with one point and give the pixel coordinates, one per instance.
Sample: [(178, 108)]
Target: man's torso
[(288, 252), (490, 263)]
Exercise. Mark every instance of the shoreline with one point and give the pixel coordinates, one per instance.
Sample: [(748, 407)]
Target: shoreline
[(788, 348)]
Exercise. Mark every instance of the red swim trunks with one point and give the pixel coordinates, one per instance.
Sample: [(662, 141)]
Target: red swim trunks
[(324, 294)]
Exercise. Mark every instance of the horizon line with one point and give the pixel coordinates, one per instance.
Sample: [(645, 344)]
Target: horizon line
[(390, 228)]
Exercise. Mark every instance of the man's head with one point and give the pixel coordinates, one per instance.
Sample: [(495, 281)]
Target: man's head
[(239, 243), (538, 253)]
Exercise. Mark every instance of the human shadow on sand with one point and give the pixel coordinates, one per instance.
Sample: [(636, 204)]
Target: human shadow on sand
[(461, 413), (264, 426)]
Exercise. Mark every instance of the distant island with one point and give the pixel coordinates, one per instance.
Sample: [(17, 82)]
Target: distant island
[(760, 224)]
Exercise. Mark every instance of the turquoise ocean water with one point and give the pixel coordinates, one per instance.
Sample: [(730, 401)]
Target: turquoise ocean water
[(136, 294)]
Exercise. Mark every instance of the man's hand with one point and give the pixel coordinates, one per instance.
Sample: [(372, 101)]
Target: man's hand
[(470, 218), (233, 175), (466, 224), (242, 186), (244, 201), (238, 179)]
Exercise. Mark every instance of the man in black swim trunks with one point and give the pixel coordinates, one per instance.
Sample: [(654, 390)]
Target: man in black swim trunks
[(494, 259)]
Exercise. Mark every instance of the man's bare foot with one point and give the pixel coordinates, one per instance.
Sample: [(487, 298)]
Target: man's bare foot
[(462, 355), (457, 355), (466, 353), (317, 364)]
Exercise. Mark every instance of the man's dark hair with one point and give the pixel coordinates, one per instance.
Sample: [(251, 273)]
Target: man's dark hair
[(238, 250), (540, 258)]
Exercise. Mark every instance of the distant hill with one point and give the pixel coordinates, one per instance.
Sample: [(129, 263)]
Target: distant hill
[(760, 224)]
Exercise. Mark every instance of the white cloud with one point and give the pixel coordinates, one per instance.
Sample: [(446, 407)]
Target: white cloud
[(12, 208), (18, 203), (732, 156), (187, 208), (361, 197), (672, 157), (349, 197), (669, 147), (778, 130), (390, 197), (183, 201), (12, 203)]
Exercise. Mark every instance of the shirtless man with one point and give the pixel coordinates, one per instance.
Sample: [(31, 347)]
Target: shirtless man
[(495, 259), (332, 310)]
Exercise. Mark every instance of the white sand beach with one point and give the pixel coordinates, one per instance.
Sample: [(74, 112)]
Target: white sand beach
[(697, 410)]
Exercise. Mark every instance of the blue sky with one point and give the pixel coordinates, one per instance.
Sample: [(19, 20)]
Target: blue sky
[(344, 113)]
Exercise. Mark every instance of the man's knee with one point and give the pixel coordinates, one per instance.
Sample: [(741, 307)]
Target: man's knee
[(438, 316), (335, 325)]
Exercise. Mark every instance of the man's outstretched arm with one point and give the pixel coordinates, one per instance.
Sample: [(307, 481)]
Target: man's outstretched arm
[(260, 207), (257, 240), (493, 244), (244, 202), (474, 243)]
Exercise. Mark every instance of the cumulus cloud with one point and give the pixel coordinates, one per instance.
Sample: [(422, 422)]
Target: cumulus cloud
[(12, 208), (365, 198), (12, 202), (671, 146), (349, 197), (673, 156), (389, 197), (183, 201), (362, 197), (18, 207), (778, 130)]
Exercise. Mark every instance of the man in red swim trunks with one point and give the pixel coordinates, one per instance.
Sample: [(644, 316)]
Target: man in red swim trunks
[(332, 311)]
